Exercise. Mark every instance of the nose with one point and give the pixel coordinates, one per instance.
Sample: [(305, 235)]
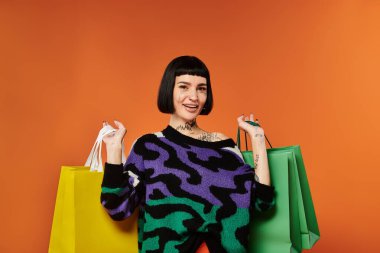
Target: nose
[(193, 95)]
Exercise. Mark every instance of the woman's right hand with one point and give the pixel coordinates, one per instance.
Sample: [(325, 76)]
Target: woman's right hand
[(114, 139), (113, 143)]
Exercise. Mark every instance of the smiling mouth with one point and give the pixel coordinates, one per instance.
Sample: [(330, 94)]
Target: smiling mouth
[(191, 109), (191, 106)]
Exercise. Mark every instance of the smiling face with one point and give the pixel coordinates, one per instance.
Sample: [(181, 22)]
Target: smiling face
[(189, 96)]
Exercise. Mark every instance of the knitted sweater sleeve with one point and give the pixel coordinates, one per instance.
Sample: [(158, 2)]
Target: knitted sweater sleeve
[(263, 197), (122, 188)]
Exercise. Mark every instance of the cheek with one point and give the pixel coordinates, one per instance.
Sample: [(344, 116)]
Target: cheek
[(179, 96), (203, 98)]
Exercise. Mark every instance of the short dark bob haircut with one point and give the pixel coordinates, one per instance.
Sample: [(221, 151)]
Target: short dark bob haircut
[(182, 65)]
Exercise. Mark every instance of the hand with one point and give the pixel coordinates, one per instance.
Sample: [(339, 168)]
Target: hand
[(114, 139), (256, 133)]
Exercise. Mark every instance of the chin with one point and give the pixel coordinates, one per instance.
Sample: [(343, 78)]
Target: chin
[(189, 117)]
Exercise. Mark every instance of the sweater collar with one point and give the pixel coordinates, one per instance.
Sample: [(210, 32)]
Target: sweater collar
[(174, 135)]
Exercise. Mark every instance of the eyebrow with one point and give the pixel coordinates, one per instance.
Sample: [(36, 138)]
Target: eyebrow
[(200, 84)]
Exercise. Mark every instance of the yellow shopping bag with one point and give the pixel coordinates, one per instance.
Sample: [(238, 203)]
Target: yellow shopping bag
[(80, 222)]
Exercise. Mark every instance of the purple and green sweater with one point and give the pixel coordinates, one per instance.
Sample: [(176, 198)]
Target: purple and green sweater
[(187, 191)]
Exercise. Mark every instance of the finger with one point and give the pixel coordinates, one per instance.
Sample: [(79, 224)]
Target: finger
[(246, 118), (251, 117), (109, 134), (119, 124), (240, 117)]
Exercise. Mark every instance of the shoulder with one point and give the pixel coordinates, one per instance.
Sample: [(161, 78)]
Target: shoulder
[(220, 136), (142, 139), (138, 145)]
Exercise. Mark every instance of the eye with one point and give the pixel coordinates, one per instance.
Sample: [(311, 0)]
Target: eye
[(182, 86), (203, 88)]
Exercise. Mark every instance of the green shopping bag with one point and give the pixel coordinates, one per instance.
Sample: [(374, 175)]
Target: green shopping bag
[(291, 225)]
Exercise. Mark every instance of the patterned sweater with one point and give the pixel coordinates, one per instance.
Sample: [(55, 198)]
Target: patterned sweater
[(187, 191)]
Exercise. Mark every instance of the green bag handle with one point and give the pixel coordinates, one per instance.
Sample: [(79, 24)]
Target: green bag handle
[(245, 135)]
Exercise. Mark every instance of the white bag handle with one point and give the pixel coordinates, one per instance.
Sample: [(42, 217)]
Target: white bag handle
[(94, 160)]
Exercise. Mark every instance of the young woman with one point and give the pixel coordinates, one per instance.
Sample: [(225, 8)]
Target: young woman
[(190, 185)]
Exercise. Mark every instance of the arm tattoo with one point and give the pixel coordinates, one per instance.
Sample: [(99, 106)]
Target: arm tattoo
[(256, 164), (257, 178), (256, 160)]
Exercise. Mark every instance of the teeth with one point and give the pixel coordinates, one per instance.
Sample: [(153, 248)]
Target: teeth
[(191, 106)]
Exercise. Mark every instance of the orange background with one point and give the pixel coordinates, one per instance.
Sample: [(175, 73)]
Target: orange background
[(309, 70)]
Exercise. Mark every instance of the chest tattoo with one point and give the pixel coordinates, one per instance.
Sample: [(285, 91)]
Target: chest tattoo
[(209, 137)]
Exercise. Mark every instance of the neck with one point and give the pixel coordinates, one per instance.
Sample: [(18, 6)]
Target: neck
[(183, 126)]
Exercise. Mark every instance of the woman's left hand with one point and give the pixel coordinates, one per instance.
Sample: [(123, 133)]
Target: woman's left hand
[(256, 133)]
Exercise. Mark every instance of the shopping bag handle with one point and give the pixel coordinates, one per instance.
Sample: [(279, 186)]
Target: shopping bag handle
[(94, 160), (245, 135)]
